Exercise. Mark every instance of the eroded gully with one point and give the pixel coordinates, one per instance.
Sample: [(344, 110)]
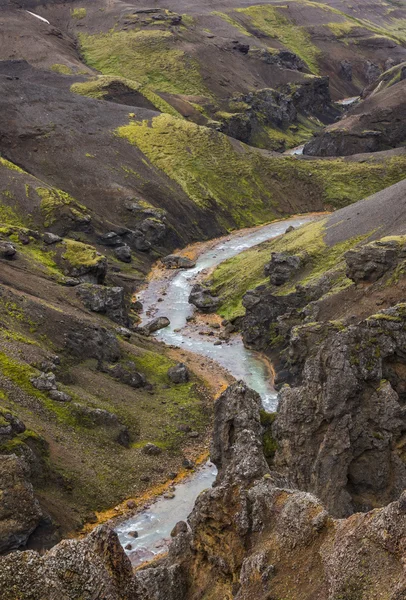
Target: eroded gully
[(153, 526)]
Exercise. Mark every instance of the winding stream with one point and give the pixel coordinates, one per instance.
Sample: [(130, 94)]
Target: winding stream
[(154, 525)]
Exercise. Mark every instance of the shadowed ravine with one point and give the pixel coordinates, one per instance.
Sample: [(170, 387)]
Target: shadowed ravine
[(155, 524)]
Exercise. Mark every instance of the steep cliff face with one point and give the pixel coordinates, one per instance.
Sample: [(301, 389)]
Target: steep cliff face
[(340, 432), (378, 123)]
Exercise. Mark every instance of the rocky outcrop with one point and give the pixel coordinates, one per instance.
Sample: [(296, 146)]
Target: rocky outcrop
[(281, 267), (248, 538), (283, 59), (312, 97), (94, 567), (109, 301), (340, 432), (86, 341), (123, 253), (20, 512), (201, 297), (370, 262)]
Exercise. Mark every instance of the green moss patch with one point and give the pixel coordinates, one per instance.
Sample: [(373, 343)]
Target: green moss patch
[(270, 21), (10, 165), (61, 69), (78, 13), (53, 201), (79, 254), (149, 56)]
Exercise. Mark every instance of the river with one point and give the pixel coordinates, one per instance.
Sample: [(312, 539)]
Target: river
[(154, 525)]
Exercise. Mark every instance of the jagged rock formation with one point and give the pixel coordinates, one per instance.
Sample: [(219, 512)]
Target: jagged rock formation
[(93, 567), (340, 431), (251, 539)]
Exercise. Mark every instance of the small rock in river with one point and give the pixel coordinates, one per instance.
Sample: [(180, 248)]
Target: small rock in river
[(133, 534), (129, 547), (169, 495)]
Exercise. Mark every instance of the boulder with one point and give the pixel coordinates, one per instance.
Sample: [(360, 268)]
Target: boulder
[(44, 382), (7, 250), (281, 267), (20, 512), (59, 396), (174, 261), (179, 373), (127, 373), (180, 527), (10, 426), (153, 229), (151, 449), (201, 297), (109, 301), (156, 324), (51, 238), (111, 238), (123, 253)]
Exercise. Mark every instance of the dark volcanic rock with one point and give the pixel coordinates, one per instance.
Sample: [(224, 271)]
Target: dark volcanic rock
[(372, 261), (123, 253), (85, 341), (7, 250), (156, 324), (51, 238), (127, 373), (109, 301), (201, 297), (151, 449), (377, 123), (347, 407), (281, 267), (19, 510), (44, 382), (346, 70), (179, 373), (59, 396)]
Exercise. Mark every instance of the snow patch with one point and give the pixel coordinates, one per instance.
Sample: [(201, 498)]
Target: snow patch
[(38, 17)]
